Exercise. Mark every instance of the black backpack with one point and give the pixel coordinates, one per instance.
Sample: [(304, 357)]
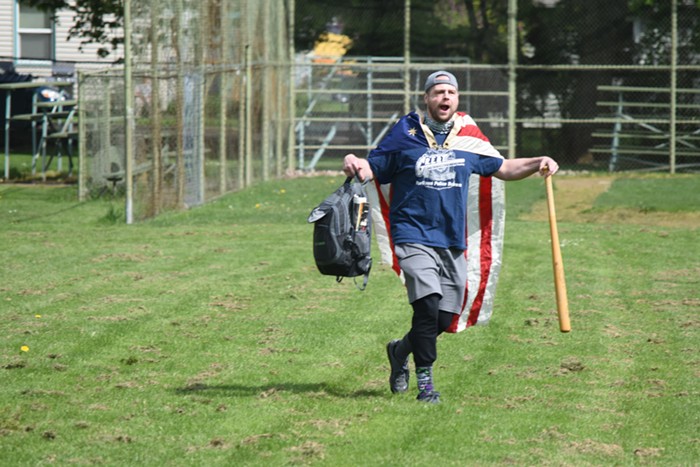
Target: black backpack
[(343, 233)]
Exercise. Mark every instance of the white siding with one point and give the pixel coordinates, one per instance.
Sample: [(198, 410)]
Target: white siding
[(68, 50), (65, 50), (6, 29)]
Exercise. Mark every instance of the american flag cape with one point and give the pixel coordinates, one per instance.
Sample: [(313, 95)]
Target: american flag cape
[(484, 230)]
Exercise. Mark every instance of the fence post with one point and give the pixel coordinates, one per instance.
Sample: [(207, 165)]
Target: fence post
[(292, 87), (129, 107), (265, 118), (180, 99), (82, 146), (512, 74), (223, 98), (240, 85), (201, 57), (407, 57), (674, 71), (279, 69), (248, 115), (156, 140), (370, 101)]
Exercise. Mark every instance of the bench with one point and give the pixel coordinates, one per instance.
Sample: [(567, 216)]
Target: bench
[(639, 128)]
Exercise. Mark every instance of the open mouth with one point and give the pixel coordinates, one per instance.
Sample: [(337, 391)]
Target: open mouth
[(444, 108)]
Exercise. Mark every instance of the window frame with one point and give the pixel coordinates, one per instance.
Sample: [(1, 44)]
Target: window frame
[(19, 31)]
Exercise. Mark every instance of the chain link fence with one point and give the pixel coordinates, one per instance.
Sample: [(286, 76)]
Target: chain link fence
[(211, 104), (349, 105), (222, 98), (628, 100), (597, 85)]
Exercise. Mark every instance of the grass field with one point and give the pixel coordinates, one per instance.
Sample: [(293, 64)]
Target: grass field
[(20, 168), (208, 338)]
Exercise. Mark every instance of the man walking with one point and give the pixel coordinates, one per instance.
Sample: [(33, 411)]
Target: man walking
[(428, 164)]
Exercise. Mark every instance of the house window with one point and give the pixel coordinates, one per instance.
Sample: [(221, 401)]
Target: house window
[(35, 33)]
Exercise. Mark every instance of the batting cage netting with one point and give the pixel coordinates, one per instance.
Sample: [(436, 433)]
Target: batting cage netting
[(210, 86), (230, 92)]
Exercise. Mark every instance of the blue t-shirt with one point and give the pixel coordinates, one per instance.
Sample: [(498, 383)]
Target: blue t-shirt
[(429, 184)]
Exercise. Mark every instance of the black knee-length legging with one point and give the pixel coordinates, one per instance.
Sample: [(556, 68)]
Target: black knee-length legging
[(427, 324)]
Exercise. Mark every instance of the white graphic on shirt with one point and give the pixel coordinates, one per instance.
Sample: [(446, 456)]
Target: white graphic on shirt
[(436, 169)]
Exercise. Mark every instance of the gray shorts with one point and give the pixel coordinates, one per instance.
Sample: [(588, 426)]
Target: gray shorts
[(429, 270)]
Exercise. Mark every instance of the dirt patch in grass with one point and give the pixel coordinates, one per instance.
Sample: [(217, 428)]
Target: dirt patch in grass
[(308, 451), (589, 446), (574, 198)]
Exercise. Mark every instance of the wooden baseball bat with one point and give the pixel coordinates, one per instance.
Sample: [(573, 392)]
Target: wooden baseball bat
[(557, 263)]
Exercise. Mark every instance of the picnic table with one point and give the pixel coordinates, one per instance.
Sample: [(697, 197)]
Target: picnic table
[(42, 113)]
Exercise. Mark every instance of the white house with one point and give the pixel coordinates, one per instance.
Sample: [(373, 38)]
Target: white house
[(35, 44)]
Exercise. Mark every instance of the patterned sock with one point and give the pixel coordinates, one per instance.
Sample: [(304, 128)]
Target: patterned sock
[(424, 375)]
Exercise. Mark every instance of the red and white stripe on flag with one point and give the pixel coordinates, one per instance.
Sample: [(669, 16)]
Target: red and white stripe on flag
[(484, 233)]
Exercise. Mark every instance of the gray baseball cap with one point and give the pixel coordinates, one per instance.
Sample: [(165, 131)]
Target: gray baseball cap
[(440, 77)]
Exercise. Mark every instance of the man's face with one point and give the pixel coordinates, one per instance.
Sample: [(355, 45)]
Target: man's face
[(441, 102)]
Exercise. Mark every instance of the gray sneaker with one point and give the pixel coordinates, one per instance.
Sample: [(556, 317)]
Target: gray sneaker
[(398, 380)]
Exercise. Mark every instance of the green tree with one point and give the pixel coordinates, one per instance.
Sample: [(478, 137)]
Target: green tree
[(376, 27), (653, 44), (447, 28), (586, 32), (598, 32), (476, 29)]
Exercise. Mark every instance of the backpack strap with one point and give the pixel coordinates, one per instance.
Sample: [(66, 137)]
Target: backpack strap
[(365, 277)]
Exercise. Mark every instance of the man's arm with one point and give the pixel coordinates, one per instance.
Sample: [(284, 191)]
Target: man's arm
[(517, 169), (354, 165)]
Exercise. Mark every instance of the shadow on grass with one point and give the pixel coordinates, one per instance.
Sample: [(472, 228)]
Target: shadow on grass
[(268, 390), (46, 215)]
